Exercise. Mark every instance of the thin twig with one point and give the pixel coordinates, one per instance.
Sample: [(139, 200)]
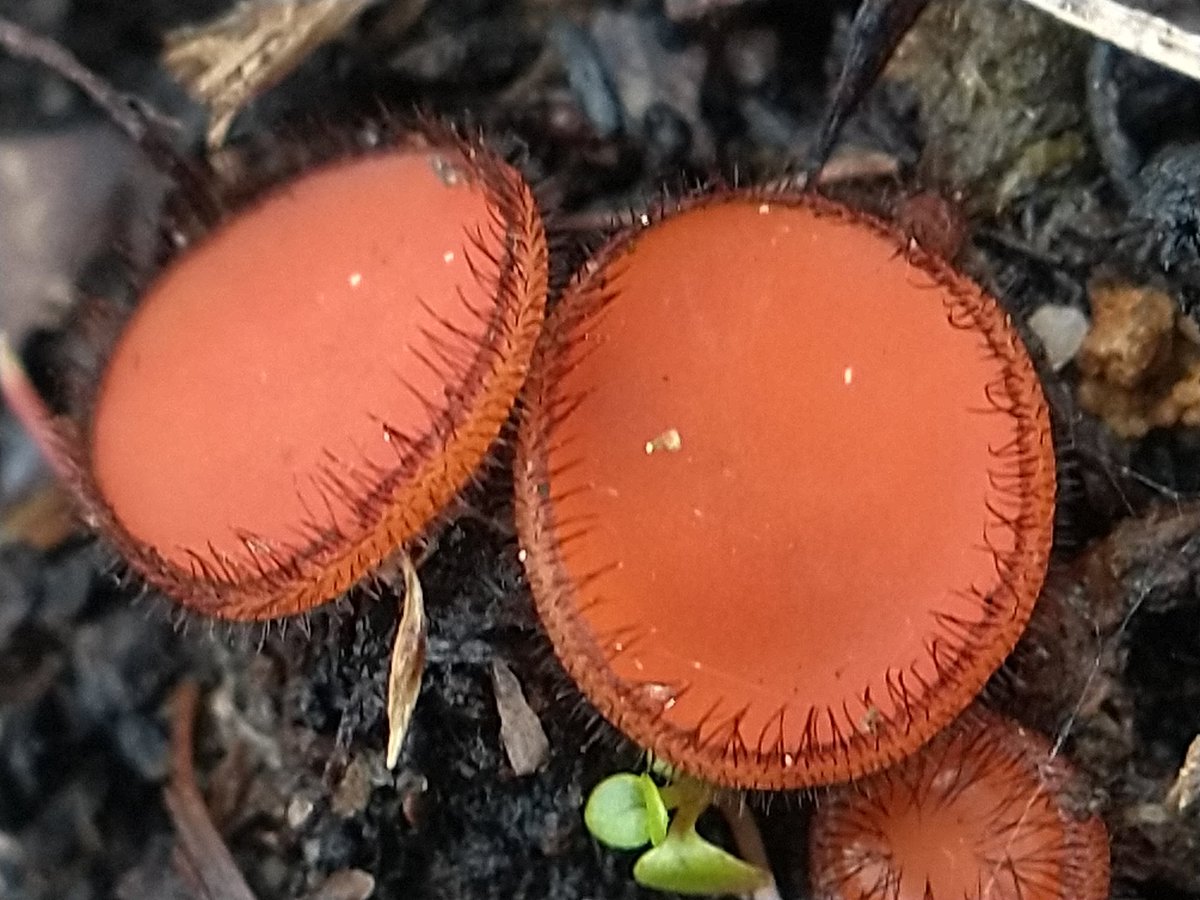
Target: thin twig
[(749, 841), (205, 855), (151, 130), (138, 120)]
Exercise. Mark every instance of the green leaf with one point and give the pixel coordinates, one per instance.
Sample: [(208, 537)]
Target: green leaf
[(657, 816), (625, 812), (688, 864)]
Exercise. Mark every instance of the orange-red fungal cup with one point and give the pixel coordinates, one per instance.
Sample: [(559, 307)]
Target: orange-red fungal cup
[(983, 813), (304, 390), (785, 488)]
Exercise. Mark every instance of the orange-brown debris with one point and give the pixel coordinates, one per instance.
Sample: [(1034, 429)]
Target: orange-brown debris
[(786, 491), (305, 390), (1140, 361), (985, 812)]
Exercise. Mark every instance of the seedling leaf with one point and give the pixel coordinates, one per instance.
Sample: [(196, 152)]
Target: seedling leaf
[(688, 864), (657, 817), (625, 812)]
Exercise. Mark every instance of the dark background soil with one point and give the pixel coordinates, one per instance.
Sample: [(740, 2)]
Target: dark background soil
[(604, 105)]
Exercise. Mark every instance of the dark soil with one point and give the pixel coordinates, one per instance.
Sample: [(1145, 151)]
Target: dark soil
[(603, 104)]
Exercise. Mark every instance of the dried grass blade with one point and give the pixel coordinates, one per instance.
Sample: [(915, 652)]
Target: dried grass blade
[(408, 662), (1137, 31), (228, 62), (521, 731)]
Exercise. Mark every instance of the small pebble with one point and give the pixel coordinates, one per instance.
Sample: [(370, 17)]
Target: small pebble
[(1061, 329), (353, 792), (346, 884), (298, 812)]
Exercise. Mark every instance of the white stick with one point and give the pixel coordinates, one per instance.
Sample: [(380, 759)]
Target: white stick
[(749, 842), (1141, 33)]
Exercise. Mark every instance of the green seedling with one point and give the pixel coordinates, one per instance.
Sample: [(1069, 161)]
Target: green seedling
[(628, 811)]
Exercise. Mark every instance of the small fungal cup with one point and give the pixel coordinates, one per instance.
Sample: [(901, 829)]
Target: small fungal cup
[(984, 812), (306, 388), (785, 488)]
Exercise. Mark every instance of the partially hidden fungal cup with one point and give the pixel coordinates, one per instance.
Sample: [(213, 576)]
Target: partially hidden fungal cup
[(785, 489), (989, 811), (304, 389)]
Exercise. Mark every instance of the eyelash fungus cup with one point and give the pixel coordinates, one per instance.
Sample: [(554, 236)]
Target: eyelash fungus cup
[(785, 489)]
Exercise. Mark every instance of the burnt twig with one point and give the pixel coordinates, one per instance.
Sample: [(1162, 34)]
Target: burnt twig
[(877, 28)]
